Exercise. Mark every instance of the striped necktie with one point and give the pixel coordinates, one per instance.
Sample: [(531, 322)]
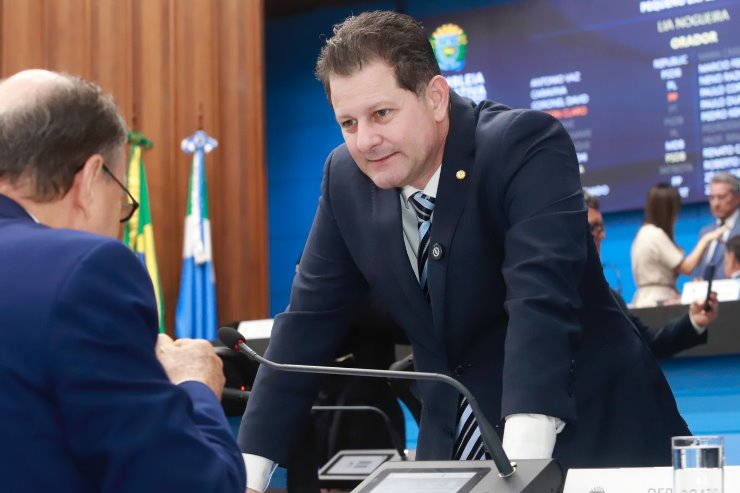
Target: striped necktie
[(423, 206), (468, 440)]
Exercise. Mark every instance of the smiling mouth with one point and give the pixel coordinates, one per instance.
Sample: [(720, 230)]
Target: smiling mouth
[(381, 159)]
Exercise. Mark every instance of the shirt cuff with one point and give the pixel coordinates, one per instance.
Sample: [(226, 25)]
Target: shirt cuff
[(700, 329), (259, 471), (531, 436)]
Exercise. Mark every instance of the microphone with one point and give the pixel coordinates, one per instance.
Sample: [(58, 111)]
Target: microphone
[(234, 340)]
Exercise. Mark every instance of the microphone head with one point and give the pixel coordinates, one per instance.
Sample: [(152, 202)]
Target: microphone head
[(230, 337)]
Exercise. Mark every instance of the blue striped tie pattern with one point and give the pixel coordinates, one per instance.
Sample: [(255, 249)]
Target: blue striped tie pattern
[(423, 206), (468, 440)]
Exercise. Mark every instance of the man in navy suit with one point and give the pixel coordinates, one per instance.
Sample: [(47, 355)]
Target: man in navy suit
[(724, 203), (86, 404), (466, 222)]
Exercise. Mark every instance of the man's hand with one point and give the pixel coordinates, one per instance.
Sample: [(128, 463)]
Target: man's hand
[(191, 359), (702, 317)]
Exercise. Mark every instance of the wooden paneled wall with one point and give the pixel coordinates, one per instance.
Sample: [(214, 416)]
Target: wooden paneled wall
[(166, 61)]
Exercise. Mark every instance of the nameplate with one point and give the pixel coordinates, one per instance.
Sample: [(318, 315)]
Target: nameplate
[(726, 289), (256, 329), (634, 480)]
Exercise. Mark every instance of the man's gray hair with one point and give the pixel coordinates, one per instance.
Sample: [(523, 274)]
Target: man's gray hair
[(729, 178), (48, 139)]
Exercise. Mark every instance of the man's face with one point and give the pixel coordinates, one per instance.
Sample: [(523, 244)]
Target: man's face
[(722, 201), (392, 134), (596, 221), (107, 208)]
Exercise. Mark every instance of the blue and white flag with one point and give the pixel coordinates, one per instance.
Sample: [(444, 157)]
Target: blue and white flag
[(196, 305)]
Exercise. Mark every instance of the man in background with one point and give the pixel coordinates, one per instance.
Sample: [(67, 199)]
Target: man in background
[(686, 331), (724, 201), (86, 405), (732, 258)]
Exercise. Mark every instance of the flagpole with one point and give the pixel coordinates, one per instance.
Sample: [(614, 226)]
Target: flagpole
[(196, 304)]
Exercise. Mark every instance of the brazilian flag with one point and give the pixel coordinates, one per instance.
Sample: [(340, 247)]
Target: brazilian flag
[(138, 233)]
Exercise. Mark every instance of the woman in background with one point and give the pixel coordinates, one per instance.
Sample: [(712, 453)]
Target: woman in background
[(656, 258)]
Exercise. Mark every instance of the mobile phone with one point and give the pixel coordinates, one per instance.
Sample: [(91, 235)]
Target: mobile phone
[(710, 277)]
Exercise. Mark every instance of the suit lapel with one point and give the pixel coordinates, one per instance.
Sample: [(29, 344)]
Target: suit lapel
[(452, 193), (387, 218)]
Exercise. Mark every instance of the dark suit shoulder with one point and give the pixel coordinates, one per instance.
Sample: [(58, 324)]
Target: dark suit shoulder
[(498, 124), (63, 245)]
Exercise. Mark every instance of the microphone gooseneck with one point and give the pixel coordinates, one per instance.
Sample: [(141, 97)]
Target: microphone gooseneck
[(234, 340)]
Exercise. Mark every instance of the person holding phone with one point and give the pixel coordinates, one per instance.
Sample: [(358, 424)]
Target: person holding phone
[(656, 258)]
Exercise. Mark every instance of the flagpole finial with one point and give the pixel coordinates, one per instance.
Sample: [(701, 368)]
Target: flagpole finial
[(198, 141), (137, 139)]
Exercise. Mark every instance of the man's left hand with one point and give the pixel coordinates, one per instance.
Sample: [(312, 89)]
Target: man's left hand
[(702, 317)]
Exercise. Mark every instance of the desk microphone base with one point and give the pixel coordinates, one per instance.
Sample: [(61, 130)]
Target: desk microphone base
[(531, 476)]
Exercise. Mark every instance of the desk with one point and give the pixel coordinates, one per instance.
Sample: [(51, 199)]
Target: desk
[(724, 334)]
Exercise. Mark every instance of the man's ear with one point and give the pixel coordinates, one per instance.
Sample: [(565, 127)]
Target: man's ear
[(83, 188), (438, 97)]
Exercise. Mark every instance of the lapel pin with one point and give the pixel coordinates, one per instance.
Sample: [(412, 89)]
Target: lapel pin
[(460, 175), (438, 251)]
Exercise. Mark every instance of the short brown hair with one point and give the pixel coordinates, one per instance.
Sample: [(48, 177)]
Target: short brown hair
[(662, 207), (50, 137), (390, 37), (732, 247)]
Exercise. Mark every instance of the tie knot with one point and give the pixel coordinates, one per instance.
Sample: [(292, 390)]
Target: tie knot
[(423, 205)]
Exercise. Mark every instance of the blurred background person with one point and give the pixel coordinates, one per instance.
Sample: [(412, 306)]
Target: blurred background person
[(681, 333), (656, 258), (724, 200), (732, 258)]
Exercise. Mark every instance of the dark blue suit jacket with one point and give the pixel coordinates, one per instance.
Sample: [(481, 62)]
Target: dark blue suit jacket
[(84, 404), (520, 311)]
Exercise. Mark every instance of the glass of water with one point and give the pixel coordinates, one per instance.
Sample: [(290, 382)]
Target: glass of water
[(698, 464)]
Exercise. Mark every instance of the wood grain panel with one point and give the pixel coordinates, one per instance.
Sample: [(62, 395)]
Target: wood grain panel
[(23, 35), (243, 181), (67, 33), (111, 63)]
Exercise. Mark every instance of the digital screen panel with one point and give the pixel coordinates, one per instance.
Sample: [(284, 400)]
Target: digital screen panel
[(648, 90)]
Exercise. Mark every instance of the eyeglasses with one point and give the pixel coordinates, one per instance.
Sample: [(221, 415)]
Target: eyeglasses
[(596, 228), (127, 207)]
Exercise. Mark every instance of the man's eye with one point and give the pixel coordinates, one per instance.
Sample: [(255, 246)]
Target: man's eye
[(347, 124), (383, 113)]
